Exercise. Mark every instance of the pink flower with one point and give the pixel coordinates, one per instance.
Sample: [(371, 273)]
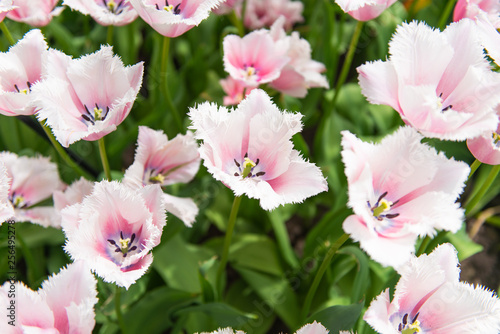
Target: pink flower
[(22, 66), (114, 229), (75, 193), (64, 304), (473, 8), (263, 13), (160, 161), (249, 150), (364, 10), (234, 90), (227, 330), (32, 181), (399, 190), (254, 59), (6, 208), (172, 18), (226, 7), (439, 82), (486, 148), (5, 7), (36, 13), (105, 12), (430, 299), (314, 328), (86, 98), (301, 72)]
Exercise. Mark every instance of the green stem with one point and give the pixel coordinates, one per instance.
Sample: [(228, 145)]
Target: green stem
[(164, 83), (238, 23), (7, 33), (319, 274), (32, 273), (473, 168), (62, 153), (283, 239), (423, 245), (227, 241), (104, 159), (109, 37), (118, 310), (446, 14), (472, 202)]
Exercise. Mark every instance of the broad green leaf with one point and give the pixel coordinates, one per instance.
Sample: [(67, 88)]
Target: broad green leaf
[(338, 317)]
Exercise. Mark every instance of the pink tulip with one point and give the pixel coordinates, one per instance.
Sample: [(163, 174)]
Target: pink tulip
[(473, 8), (235, 89), (263, 13), (439, 82), (173, 18), (63, 305), (86, 98), (6, 208), (32, 181), (22, 66), (429, 298), (36, 13), (250, 151), (160, 161), (364, 10), (5, 7), (486, 148), (114, 229), (399, 189), (313, 328), (254, 59), (105, 12)]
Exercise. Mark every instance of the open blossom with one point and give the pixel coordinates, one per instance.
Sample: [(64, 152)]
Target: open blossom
[(473, 8), (86, 98), (364, 10), (32, 181), (172, 18), (249, 150), (234, 90), (36, 13), (105, 12), (64, 304), (301, 72), (430, 299), (263, 13), (114, 229), (445, 89), (21, 67), (254, 59), (399, 189), (486, 148), (5, 7), (166, 162)]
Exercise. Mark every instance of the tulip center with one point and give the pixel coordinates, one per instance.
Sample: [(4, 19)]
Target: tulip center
[(18, 201), (159, 178), (113, 7), (246, 167), (24, 91), (123, 244), (440, 104), (496, 139), (381, 207), (405, 327), (249, 71), (170, 8), (97, 114)]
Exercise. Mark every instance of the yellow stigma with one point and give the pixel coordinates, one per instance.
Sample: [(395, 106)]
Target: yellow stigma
[(19, 201), (412, 328), (124, 244), (496, 138), (111, 5), (97, 114), (250, 71), (382, 207), (160, 178), (247, 166), (168, 8)]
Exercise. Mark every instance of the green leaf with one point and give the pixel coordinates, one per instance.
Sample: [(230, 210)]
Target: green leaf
[(338, 317), (207, 289), (362, 279)]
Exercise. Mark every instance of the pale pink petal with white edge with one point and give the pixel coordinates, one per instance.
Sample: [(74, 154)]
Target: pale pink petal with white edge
[(364, 10), (36, 13), (183, 208), (313, 328), (6, 208), (105, 12), (73, 194), (5, 7)]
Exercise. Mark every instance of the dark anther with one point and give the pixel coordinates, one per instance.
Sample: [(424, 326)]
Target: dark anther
[(117, 249), (96, 106), (381, 196), (132, 249), (440, 95), (249, 174), (112, 242), (177, 10), (132, 238), (124, 254), (257, 162), (158, 8), (236, 174), (246, 155), (448, 107), (415, 318), (15, 86), (391, 215), (260, 173), (87, 110), (88, 119), (121, 235), (237, 163), (29, 85), (400, 327), (104, 2), (405, 319)]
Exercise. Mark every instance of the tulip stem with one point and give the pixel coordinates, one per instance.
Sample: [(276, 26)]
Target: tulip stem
[(446, 14), (7, 33), (164, 69), (227, 242), (423, 245), (118, 310), (237, 22), (104, 159), (109, 37), (319, 274), (475, 165), (472, 202), (62, 153)]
